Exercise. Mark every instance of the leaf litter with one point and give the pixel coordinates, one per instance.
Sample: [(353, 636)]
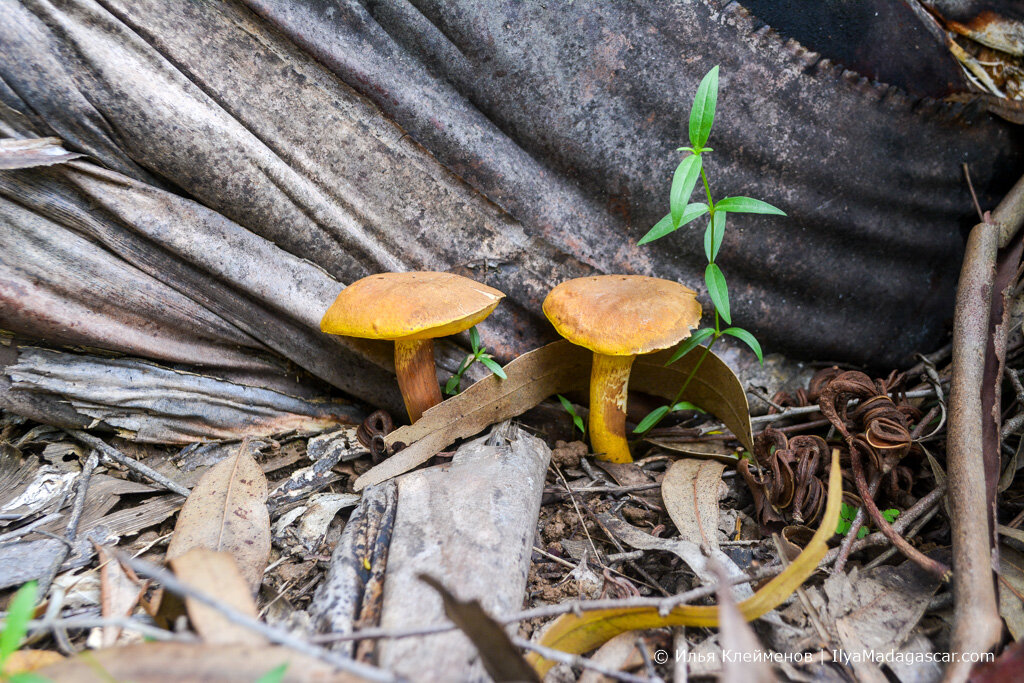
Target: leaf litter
[(681, 519)]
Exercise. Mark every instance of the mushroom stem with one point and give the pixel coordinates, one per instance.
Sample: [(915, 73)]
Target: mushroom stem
[(609, 379), (414, 365)]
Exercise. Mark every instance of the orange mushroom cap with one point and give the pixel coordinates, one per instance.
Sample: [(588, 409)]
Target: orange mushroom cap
[(623, 315), (409, 306)]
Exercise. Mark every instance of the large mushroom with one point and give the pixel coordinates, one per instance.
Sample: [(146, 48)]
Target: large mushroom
[(411, 309), (618, 317)]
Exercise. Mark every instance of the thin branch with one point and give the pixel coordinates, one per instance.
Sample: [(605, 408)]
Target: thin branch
[(274, 635), (117, 456)]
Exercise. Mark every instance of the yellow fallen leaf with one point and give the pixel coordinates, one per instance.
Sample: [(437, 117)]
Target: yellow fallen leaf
[(579, 634), (23, 661)]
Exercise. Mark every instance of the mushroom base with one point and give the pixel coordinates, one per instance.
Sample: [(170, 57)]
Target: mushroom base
[(414, 365), (609, 380)]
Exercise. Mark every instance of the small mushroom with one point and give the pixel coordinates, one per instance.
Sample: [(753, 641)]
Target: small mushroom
[(411, 309), (618, 317)]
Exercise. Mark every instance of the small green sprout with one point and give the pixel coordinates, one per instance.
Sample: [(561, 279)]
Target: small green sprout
[(454, 383), (15, 626), (847, 513), (576, 419), (275, 675), (682, 211)]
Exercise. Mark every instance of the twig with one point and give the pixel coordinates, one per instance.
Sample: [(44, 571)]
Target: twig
[(126, 623), (117, 456), (274, 635), (858, 521), (914, 530), (932, 565), (901, 524), (976, 623), (583, 522), (663, 605), (71, 532), (29, 528), (577, 661)]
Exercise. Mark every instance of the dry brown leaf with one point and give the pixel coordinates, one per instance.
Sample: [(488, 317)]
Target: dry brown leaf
[(215, 573), (690, 490), (120, 592), (29, 660), (499, 656), (166, 662), (1011, 590), (559, 368), (736, 637), (227, 512), (621, 653)]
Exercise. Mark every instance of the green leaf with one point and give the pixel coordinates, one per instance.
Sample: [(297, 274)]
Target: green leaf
[(746, 338), (26, 677), (19, 613), (493, 366), (862, 532), (718, 290), (683, 181), (690, 343), (651, 419), (746, 205), (275, 675), (576, 419), (702, 114), (474, 339), (665, 227), (685, 405), (890, 515), (713, 235)]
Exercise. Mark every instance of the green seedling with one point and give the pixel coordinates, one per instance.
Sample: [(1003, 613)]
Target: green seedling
[(683, 211), (848, 512), (576, 419), (15, 626), (479, 354), (275, 675)]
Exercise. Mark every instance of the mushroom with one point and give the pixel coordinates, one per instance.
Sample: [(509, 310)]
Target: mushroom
[(411, 309), (618, 317)]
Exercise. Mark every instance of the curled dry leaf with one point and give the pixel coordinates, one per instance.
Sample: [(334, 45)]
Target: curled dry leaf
[(558, 368), (215, 573), (227, 512), (578, 634)]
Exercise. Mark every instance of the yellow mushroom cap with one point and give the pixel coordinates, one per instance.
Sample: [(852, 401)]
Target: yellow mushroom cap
[(622, 315), (421, 305)]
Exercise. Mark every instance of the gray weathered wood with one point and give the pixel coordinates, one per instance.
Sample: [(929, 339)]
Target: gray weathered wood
[(471, 525)]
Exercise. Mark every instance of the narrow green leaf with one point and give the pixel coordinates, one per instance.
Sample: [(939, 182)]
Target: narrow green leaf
[(683, 181), (686, 405), (690, 343), (652, 418), (664, 226), (718, 291), (660, 229), (748, 339), (702, 114), (474, 339), (714, 234), (746, 205), (275, 675), (27, 677), (493, 366), (19, 613), (576, 419)]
